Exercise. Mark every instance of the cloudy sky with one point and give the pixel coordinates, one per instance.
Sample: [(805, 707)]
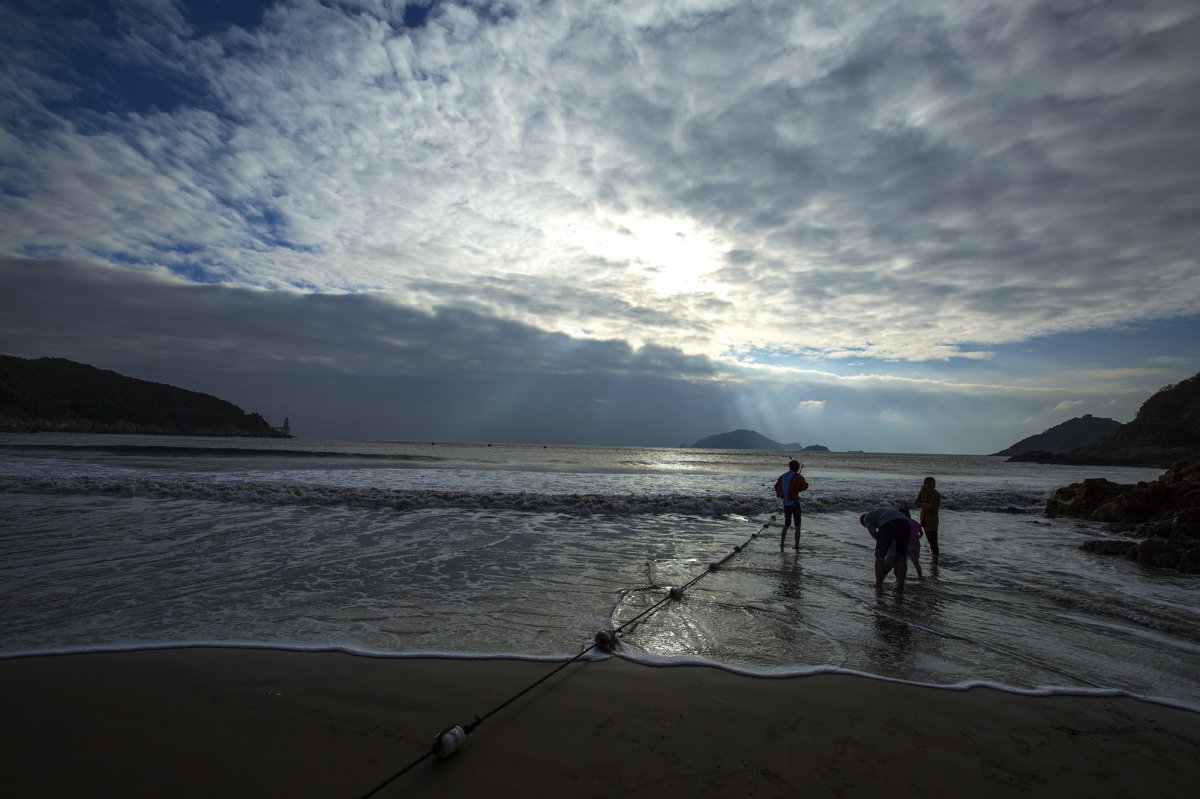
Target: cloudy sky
[(892, 226)]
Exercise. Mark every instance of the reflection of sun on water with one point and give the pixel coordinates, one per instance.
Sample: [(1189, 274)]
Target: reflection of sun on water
[(673, 255)]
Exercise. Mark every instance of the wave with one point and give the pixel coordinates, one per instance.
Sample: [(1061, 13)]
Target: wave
[(580, 504), (640, 658)]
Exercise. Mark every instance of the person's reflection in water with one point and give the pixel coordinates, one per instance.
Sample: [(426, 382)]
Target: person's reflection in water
[(788, 620), (892, 655), (791, 584)]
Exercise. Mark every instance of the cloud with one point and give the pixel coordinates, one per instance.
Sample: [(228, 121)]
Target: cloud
[(362, 366), (356, 365), (913, 181), (679, 215)]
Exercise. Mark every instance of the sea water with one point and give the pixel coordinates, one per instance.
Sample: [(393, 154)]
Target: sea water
[(411, 548)]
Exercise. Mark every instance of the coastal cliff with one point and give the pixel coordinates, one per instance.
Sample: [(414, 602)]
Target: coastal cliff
[(57, 395), (1165, 430)]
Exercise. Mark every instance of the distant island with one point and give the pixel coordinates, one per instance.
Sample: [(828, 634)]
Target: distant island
[(1062, 438), (749, 439), (1165, 430), (62, 396)]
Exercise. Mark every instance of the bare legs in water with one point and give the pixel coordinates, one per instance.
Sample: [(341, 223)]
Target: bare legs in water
[(790, 514)]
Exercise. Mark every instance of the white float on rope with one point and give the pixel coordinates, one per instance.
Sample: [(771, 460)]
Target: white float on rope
[(449, 741)]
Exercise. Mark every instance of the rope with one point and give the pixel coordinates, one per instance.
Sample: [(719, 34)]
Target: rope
[(469, 728), (676, 593), (603, 641), (397, 775)]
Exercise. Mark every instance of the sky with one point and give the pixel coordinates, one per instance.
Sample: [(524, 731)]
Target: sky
[(916, 226)]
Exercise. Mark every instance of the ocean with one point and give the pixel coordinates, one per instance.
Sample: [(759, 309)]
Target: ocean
[(494, 550)]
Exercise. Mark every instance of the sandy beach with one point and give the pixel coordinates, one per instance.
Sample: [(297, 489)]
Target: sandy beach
[(243, 722)]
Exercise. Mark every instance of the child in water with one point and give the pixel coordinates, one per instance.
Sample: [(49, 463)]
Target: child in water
[(914, 546)]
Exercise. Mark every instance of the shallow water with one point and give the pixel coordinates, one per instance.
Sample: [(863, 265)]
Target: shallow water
[(421, 548)]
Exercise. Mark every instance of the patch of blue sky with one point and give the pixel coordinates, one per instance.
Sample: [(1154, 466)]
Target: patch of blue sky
[(41, 252), (135, 89), (494, 11), (268, 227), (198, 272), (87, 46), (118, 257), (1173, 345), (109, 84), (185, 247), (215, 16), (179, 260), (1175, 340), (416, 14)]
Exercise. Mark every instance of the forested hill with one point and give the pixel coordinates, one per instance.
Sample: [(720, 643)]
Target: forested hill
[(1069, 435), (1165, 430), (1169, 419), (743, 439), (57, 395)]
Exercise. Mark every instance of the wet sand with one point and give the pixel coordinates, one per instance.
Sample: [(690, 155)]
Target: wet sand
[(198, 722)]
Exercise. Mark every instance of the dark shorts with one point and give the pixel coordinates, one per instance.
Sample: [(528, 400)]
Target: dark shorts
[(790, 512), (894, 532)]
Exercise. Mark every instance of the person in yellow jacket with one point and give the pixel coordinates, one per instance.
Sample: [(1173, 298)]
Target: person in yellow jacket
[(788, 488), (929, 501)]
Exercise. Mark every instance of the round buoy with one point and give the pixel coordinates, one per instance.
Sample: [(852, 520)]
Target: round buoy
[(606, 640), (712, 567), (449, 741), (675, 593)]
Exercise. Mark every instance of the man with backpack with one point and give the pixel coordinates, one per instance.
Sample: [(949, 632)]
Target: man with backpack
[(788, 488)]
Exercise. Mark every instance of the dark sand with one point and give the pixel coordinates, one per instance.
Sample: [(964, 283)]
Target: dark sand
[(230, 722)]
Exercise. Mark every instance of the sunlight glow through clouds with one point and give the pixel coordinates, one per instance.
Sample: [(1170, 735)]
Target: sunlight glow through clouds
[(884, 190), (855, 154), (671, 256)]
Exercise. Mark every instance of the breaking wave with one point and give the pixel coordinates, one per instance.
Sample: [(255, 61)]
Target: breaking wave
[(614, 503)]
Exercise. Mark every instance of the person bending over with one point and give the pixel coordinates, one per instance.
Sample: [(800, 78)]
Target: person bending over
[(888, 526)]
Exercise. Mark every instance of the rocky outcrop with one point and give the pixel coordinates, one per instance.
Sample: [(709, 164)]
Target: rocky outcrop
[(1107, 546), (1163, 514)]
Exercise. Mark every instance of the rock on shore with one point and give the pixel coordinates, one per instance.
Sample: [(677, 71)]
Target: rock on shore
[(1164, 515)]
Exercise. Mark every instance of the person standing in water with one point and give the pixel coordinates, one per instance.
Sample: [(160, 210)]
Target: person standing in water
[(788, 488), (929, 500)]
